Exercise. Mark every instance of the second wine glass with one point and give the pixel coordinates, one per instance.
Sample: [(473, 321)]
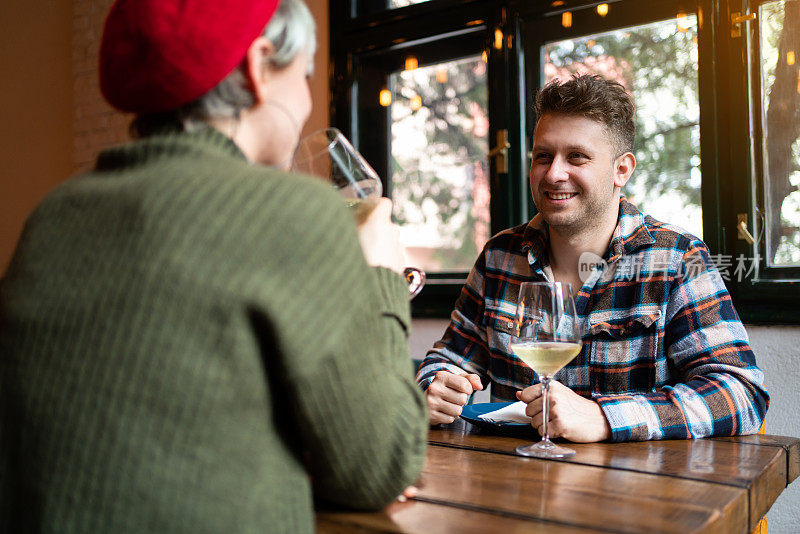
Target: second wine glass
[(329, 155), (547, 337)]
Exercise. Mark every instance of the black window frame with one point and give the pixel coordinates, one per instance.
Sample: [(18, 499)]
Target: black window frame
[(731, 176), (773, 297)]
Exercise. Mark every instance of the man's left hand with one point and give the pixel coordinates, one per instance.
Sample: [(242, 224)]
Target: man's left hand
[(570, 416)]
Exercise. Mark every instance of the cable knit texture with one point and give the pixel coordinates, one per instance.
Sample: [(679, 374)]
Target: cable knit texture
[(190, 343)]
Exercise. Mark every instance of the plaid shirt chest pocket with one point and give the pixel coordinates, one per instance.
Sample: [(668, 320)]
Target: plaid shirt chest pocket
[(625, 353), (500, 328)]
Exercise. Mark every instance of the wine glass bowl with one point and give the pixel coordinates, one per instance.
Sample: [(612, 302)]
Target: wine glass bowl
[(329, 155), (546, 338)]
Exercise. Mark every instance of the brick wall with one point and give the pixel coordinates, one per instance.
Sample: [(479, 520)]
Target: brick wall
[(95, 124)]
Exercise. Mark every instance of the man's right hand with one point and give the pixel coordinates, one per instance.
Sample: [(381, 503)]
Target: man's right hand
[(448, 393)]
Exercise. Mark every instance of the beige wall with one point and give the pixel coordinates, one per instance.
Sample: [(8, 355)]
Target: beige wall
[(54, 120)]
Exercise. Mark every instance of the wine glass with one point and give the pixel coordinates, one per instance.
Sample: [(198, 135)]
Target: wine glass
[(329, 155), (547, 338)]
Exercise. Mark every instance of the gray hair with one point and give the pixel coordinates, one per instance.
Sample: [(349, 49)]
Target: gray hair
[(290, 30)]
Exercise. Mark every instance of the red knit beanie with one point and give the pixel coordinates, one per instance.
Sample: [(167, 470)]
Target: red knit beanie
[(157, 55)]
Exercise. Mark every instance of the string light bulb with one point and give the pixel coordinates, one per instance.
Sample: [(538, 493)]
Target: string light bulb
[(385, 98), (602, 10), (441, 74), (790, 57), (411, 63), (683, 22), (498, 39), (566, 19), (415, 102)]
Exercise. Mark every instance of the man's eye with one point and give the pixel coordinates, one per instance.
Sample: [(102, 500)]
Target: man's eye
[(542, 157), (577, 155)]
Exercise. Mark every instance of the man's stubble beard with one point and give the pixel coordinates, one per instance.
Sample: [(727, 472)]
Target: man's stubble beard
[(584, 220)]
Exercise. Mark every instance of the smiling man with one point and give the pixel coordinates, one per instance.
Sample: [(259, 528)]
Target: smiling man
[(665, 355)]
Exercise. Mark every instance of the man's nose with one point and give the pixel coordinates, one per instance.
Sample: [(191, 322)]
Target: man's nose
[(557, 172)]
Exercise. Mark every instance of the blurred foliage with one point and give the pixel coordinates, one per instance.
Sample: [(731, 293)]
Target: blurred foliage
[(439, 145)]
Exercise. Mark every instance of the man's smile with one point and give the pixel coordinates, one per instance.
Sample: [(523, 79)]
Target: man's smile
[(557, 195)]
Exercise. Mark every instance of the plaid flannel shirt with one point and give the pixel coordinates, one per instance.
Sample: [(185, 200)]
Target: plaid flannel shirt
[(664, 352)]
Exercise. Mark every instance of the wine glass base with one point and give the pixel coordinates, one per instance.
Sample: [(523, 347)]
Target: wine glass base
[(544, 449)]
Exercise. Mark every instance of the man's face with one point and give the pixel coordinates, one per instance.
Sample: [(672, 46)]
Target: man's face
[(575, 176)]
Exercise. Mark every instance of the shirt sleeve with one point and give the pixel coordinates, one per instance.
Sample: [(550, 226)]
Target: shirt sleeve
[(719, 390), (464, 345)]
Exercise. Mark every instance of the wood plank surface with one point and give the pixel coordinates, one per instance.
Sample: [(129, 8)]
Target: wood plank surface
[(587, 496), (474, 482), (756, 463), (725, 462)]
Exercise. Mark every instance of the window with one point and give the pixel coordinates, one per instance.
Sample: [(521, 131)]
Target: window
[(778, 104), (717, 91), (439, 170), (764, 133)]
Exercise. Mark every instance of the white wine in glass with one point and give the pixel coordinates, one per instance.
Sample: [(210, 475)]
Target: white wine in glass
[(546, 357), (547, 337)]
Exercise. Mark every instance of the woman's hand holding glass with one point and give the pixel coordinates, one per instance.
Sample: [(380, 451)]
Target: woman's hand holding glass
[(380, 238), (329, 155)]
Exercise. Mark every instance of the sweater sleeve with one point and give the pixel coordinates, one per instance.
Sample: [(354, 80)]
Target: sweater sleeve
[(341, 331)]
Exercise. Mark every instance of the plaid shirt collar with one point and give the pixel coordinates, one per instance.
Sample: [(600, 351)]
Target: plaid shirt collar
[(630, 234)]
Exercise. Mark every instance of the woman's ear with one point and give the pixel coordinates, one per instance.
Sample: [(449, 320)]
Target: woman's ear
[(256, 69), (623, 168)]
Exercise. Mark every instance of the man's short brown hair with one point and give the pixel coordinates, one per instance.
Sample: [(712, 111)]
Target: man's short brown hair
[(596, 98)]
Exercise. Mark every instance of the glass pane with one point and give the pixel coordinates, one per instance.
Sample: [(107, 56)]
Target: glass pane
[(376, 6), (402, 3), (439, 171), (657, 64), (780, 100)]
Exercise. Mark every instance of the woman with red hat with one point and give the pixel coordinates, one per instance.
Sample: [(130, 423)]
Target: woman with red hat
[(193, 339)]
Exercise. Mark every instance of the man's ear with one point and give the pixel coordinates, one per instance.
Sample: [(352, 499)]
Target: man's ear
[(256, 66), (623, 168)]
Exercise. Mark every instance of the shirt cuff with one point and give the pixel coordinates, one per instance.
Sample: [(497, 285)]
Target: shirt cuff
[(626, 417)]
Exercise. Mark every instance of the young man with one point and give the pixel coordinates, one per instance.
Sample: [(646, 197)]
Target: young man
[(665, 355)]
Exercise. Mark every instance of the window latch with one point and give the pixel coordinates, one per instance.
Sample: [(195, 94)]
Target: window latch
[(501, 152), (741, 229), (737, 19)]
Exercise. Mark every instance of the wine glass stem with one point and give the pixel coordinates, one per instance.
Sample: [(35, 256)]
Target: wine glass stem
[(545, 408)]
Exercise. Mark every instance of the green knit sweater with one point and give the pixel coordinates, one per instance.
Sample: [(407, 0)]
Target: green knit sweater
[(192, 343)]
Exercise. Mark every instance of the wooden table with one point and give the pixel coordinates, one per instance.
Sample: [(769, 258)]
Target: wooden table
[(473, 482)]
